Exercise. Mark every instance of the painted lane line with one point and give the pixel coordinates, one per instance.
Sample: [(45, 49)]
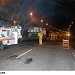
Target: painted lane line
[(24, 53), (73, 53)]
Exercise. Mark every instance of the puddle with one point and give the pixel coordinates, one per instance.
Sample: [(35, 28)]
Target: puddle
[(28, 60), (13, 57)]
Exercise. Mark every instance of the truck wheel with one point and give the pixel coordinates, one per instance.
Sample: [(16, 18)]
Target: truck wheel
[(1, 46), (19, 42)]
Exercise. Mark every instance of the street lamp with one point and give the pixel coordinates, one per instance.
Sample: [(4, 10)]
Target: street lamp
[(68, 34), (70, 25), (31, 13), (72, 22), (32, 17), (50, 26), (46, 24), (14, 22), (41, 21)]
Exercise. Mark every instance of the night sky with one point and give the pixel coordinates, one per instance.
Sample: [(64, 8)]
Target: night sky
[(58, 13)]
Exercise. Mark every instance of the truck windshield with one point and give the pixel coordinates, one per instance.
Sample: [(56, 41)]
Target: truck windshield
[(2, 35)]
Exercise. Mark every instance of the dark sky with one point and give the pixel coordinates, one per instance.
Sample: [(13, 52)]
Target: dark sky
[(58, 13)]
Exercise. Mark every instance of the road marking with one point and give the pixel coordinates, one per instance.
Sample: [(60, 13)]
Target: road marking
[(73, 53), (24, 53)]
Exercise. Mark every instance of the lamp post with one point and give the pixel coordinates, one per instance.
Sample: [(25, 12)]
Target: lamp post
[(47, 29), (42, 23), (31, 16), (33, 19), (68, 33)]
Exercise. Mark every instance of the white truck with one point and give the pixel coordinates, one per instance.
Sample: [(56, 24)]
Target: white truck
[(9, 35)]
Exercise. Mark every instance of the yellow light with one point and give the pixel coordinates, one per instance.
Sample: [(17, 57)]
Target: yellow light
[(70, 25), (14, 22), (41, 20), (50, 26), (47, 24), (72, 22), (31, 13), (68, 34)]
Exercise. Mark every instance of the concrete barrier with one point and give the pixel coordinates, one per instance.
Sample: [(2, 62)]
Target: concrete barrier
[(65, 44)]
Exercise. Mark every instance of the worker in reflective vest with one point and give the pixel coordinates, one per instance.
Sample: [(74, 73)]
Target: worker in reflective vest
[(40, 38)]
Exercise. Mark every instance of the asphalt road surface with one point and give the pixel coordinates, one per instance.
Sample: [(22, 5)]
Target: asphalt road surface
[(33, 57)]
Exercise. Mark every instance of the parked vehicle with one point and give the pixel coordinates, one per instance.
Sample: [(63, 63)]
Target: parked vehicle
[(31, 32), (9, 35)]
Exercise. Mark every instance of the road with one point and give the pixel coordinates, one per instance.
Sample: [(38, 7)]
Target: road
[(48, 57)]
